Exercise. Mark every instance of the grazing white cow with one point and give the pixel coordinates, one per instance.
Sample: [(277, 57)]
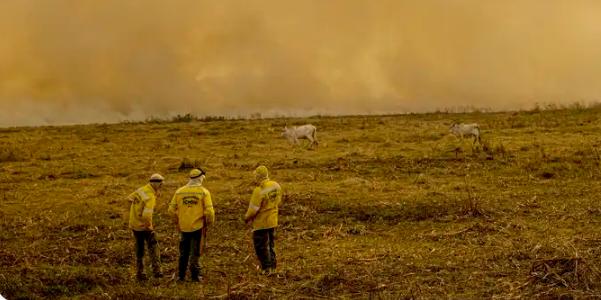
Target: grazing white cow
[(293, 134), (466, 130)]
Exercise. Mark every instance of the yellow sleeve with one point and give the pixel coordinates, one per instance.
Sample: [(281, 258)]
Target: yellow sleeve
[(208, 209), (173, 205), (254, 205), (279, 197), (132, 197), (146, 211)]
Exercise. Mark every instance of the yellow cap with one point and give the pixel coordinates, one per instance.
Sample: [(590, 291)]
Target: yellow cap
[(262, 171), (156, 177), (196, 173)]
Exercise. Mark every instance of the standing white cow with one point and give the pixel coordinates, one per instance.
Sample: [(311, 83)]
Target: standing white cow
[(293, 134), (466, 130)]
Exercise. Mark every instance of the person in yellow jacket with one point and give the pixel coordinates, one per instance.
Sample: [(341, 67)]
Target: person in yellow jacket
[(263, 214), (143, 201), (193, 210)]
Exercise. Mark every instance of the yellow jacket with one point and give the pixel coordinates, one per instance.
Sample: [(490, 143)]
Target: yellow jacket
[(191, 203), (263, 206), (143, 201)]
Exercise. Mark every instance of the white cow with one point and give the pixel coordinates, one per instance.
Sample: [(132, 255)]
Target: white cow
[(466, 130), (293, 134)]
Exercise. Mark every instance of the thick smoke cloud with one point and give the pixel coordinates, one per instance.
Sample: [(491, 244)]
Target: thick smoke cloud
[(68, 61)]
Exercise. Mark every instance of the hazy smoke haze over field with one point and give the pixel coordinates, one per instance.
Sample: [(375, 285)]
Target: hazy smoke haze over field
[(68, 61)]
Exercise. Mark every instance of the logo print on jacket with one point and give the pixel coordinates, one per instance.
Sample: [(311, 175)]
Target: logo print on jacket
[(190, 200), (271, 196)]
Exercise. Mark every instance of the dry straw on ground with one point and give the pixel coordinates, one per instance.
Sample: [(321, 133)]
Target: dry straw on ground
[(386, 208)]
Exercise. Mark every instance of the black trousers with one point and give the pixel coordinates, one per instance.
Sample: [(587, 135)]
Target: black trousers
[(189, 245), (264, 241), (149, 238)]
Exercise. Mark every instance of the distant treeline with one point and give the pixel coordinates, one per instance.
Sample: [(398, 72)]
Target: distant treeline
[(538, 107)]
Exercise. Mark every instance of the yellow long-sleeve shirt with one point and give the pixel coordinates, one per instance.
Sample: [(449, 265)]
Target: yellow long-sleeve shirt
[(263, 206), (191, 203), (142, 207)]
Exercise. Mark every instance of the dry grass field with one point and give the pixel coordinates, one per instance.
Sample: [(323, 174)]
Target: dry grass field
[(388, 207)]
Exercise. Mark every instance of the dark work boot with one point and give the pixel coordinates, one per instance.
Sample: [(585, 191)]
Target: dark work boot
[(141, 277), (195, 274), (140, 274), (181, 274)]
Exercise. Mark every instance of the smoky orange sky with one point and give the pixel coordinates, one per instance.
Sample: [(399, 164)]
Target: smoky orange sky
[(83, 61)]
